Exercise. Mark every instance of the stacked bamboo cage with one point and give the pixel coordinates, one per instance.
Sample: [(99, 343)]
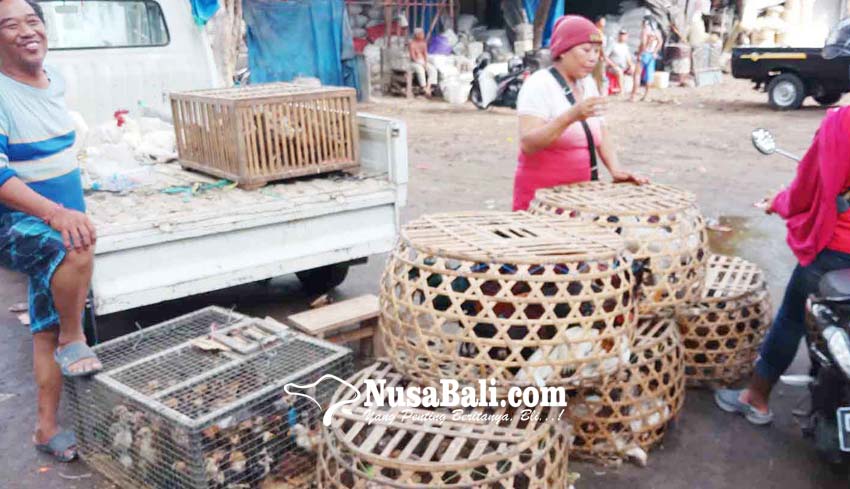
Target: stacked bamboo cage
[(525, 300), (723, 330), (497, 448), (628, 414), (661, 225)]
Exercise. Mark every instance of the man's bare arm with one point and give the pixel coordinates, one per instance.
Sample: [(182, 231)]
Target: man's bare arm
[(76, 228)]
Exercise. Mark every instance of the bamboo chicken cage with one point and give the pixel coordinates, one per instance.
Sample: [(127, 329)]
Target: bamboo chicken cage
[(722, 332), (629, 416), (383, 447), (261, 133), (661, 225), (520, 299)]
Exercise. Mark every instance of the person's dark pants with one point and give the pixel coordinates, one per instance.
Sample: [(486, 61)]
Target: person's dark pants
[(780, 346)]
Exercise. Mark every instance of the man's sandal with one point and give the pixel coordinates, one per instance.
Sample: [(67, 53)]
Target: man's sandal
[(62, 447), (72, 353)]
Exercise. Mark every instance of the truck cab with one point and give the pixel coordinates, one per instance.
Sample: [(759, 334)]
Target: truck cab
[(126, 54)]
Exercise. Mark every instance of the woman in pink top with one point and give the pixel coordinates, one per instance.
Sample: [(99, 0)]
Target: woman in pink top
[(554, 147)]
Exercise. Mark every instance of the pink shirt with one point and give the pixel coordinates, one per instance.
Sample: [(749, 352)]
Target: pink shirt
[(565, 161)]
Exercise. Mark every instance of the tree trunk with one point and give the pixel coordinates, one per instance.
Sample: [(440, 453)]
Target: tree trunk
[(541, 17)]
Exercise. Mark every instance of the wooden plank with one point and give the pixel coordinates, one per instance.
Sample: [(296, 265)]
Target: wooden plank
[(349, 336), (329, 318)]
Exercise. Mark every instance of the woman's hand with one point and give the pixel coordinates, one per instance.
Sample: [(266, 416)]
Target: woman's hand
[(621, 176), (766, 204), (77, 230), (587, 108)]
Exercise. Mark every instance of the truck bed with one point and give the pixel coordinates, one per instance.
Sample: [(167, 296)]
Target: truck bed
[(154, 246)]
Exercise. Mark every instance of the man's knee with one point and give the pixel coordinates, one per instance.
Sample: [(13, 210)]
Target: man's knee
[(80, 260)]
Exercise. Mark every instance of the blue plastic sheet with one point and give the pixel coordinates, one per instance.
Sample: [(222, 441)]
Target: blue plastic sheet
[(309, 38), (556, 11), (203, 10)]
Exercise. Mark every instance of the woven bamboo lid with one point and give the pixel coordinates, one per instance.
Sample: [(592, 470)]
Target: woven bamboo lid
[(510, 237), (620, 199), (729, 277), (415, 440)]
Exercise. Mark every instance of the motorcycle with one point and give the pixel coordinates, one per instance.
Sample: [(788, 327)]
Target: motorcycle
[(827, 419), (502, 90)]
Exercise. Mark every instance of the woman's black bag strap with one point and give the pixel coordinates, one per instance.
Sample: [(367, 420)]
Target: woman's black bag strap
[(594, 167)]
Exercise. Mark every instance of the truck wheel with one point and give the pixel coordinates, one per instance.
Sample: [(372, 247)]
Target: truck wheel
[(323, 279), (786, 92), (828, 99)]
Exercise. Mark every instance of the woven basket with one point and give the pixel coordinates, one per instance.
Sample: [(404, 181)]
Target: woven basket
[(661, 225), (520, 299), (723, 331), (417, 448), (634, 408)]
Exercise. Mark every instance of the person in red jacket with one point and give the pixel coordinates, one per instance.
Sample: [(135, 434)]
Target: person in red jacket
[(819, 236)]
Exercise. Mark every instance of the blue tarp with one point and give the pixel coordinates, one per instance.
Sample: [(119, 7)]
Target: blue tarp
[(556, 11), (203, 10), (309, 38)]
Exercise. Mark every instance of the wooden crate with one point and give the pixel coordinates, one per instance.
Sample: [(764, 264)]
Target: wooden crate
[(257, 134)]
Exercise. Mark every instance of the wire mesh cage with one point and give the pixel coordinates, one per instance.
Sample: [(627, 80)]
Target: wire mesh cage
[(661, 225), (380, 447), (517, 298), (722, 332), (260, 133), (200, 402), (629, 416)]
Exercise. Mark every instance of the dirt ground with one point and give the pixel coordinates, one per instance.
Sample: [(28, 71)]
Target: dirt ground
[(464, 159)]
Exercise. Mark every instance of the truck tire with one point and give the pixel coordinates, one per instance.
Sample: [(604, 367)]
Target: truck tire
[(828, 99), (322, 279), (786, 92)]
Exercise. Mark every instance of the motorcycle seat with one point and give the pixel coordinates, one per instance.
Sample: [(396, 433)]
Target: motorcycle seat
[(835, 286)]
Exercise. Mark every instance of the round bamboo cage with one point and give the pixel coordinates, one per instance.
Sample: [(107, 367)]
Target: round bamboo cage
[(516, 298), (723, 331), (633, 410), (381, 447), (661, 225)]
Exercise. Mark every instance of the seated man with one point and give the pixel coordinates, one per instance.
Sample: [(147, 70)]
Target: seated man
[(44, 232), (621, 62), (426, 73)]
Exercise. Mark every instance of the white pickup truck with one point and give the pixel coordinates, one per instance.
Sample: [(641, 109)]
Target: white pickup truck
[(154, 247)]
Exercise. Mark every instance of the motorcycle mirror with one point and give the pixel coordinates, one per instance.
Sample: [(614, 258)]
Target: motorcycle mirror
[(764, 142)]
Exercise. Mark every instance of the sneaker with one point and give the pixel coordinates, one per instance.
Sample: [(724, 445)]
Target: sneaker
[(729, 400)]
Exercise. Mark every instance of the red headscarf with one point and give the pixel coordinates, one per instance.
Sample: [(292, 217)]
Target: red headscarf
[(570, 31)]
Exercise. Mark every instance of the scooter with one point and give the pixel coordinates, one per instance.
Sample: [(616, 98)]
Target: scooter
[(827, 420), (502, 90)]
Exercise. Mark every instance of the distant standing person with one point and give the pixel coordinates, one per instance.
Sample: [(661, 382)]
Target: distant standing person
[(620, 58), (599, 74), (650, 44), (426, 73), (563, 137)]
